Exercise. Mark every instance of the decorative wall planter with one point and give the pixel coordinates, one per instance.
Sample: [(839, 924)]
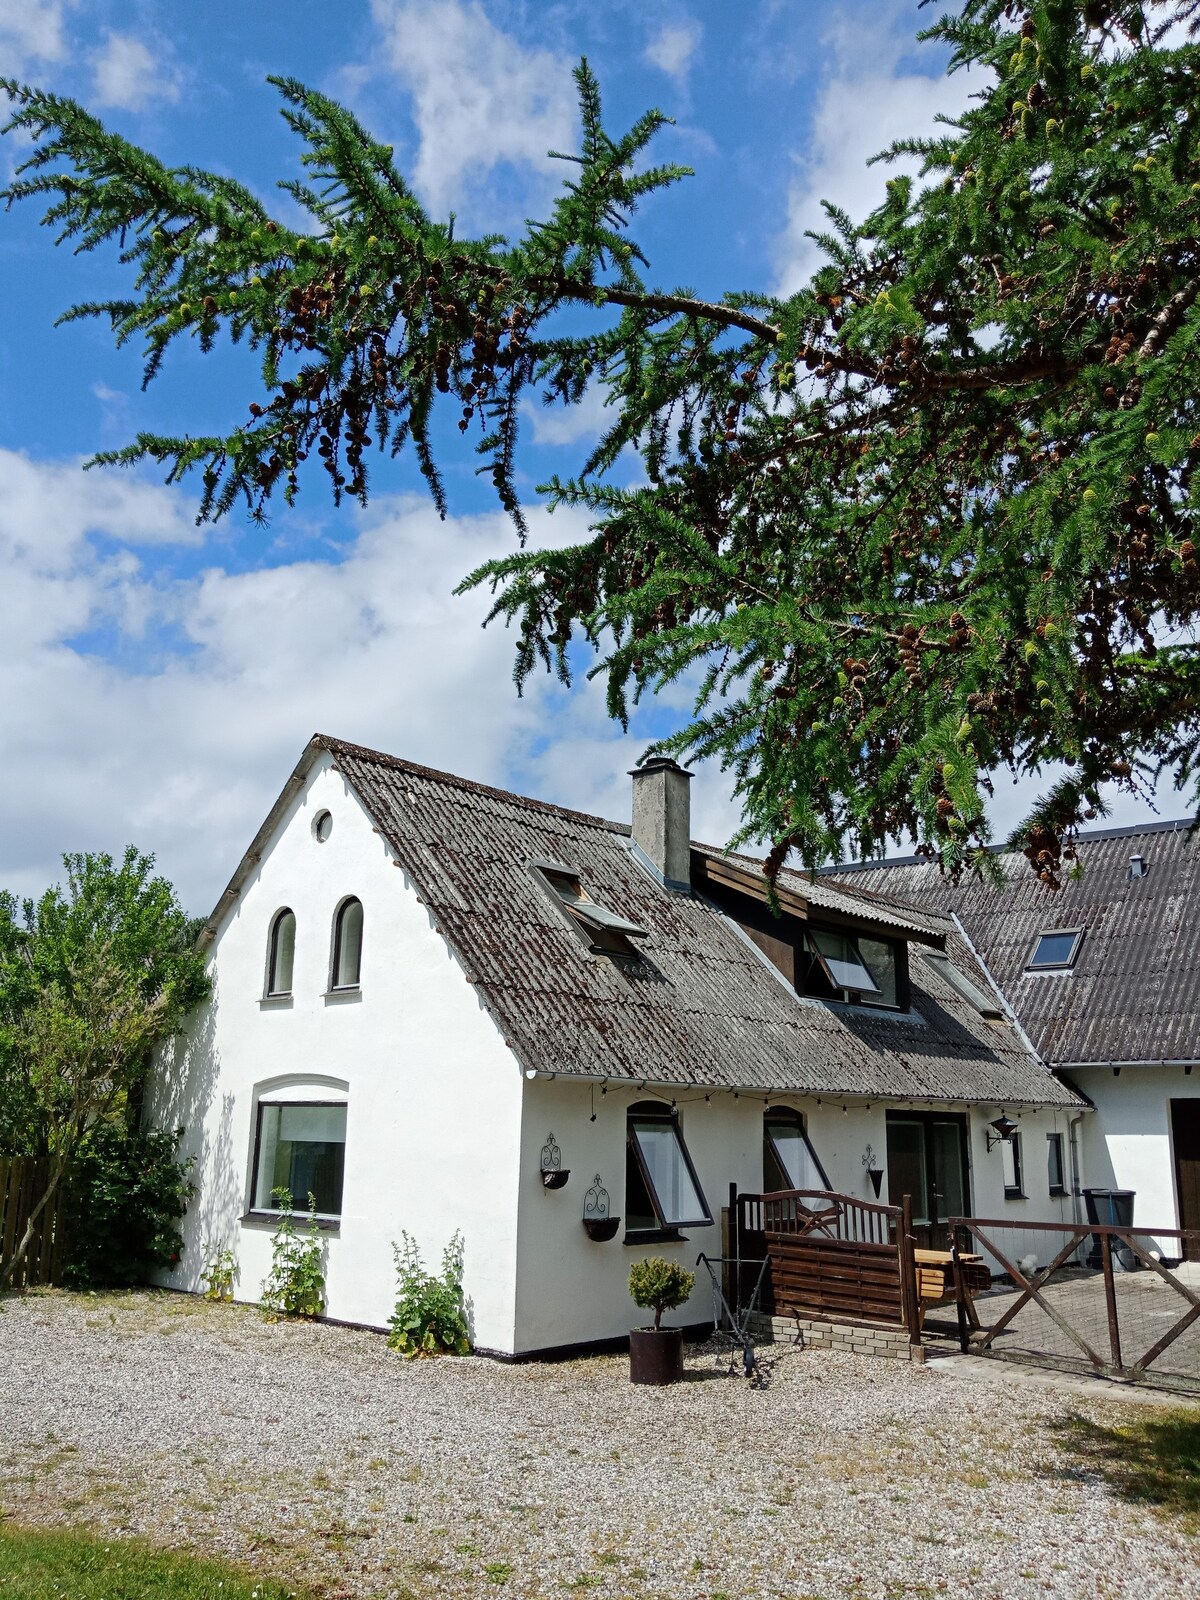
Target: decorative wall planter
[(601, 1228), (554, 1174), (656, 1357)]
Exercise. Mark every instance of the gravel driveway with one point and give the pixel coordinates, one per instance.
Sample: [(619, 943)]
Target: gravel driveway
[(320, 1456)]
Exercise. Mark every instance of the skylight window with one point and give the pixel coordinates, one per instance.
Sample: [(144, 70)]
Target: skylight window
[(986, 1004), (605, 931), (1055, 949)]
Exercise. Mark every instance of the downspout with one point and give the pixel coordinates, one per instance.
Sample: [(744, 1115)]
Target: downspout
[(1076, 1165)]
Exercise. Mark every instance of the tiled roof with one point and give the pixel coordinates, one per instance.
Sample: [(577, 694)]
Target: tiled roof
[(1134, 991), (701, 1006)]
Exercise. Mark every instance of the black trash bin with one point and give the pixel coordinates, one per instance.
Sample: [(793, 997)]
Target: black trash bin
[(1112, 1208)]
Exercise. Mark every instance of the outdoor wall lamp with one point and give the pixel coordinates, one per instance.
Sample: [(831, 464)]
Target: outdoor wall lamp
[(1005, 1128), (554, 1174)]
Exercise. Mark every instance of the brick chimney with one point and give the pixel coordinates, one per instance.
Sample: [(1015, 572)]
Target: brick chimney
[(662, 821)]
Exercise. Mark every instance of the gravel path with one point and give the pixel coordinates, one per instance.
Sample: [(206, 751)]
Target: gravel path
[(320, 1456)]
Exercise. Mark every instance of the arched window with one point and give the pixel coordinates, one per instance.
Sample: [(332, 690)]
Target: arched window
[(347, 945), (281, 953), (789, 1160)]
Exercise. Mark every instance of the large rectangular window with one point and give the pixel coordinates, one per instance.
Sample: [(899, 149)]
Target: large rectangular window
[(300, 1148), (662, 1191), (789, 1160)]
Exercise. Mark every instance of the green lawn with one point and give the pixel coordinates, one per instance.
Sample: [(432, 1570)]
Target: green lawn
[(1153, 1458), (48, 1564)]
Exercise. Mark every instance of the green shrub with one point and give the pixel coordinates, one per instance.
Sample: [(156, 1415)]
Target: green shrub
[(295, 1285), (125, 1198), (660, 1284), (430, 1317)]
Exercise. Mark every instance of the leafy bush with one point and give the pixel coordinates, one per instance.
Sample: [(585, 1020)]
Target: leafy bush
[(220, 1274), (660, 1284), (295, 1285), (126, 1196), (430, 1316)]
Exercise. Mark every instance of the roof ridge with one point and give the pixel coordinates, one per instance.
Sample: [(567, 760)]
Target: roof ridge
[(361, 752), (1130, 830)]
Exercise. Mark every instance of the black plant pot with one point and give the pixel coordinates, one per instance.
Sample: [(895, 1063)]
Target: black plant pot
[(876, 1176), (554, 1177), (656, 1357)]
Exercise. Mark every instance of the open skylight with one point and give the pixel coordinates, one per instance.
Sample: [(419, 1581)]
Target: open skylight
[(986, 1004), (606, 931)]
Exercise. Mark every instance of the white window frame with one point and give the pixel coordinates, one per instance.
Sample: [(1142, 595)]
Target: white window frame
[(281, 1101), (335, 945), (784, 1116), (1034, 965)]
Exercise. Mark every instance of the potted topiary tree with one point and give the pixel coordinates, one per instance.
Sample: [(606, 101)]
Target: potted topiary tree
[(656, 1354)]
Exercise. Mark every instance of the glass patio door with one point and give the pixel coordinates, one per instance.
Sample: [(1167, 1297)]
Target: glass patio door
[(927, 1159)]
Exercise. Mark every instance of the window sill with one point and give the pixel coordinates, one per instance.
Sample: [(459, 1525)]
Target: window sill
[(660, 1235), (1059, 1193), (1014, 1194), (270, 1219), (277, 1002), (342, 997)]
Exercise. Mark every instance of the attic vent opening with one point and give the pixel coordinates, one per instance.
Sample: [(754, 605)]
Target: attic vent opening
[(605, 932), (1138, 866)]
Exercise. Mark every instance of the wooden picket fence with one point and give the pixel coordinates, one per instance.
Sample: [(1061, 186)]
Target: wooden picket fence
[(23, 1180)]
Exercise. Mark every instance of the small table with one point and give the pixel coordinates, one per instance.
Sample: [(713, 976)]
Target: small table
[(936, 1282)]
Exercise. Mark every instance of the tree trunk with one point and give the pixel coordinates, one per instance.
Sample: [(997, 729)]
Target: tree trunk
[(22, 1249)]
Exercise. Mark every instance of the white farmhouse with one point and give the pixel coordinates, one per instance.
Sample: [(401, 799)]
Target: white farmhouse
[(431, 1000)]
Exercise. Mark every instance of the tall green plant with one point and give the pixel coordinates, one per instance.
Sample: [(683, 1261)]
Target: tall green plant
[(127, 1192), (932, 515), (295, 1285), (430, 1314)]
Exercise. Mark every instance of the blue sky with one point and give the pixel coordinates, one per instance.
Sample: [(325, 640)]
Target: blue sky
[(159, 680)]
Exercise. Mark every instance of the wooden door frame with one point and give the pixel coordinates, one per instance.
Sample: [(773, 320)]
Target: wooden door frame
[(927, 1119), (1193, 1103)]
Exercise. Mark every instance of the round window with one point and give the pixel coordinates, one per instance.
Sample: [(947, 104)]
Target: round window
[(322, 826)]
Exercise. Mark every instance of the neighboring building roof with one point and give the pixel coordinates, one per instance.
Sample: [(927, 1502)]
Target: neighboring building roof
[(701, 1006), (1133, 993)]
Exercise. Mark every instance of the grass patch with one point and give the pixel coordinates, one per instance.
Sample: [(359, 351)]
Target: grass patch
[(1153, 1459), (48, 1564)]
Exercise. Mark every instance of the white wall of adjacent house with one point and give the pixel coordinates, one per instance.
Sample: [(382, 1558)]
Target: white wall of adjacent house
[(432, 1094), (1127, 1141), (571, 1289)]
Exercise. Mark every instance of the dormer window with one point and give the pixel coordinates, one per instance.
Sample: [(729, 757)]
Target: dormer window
[(1055, 950), (852, 968), (604, 931)]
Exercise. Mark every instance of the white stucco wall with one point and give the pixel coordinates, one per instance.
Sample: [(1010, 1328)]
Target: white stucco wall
[(433, 1094), (1127, 1142), (571, 1290)]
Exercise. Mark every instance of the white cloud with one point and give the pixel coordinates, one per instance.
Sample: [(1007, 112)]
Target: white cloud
[(673, 46), (863, 107), (480, 100), (129, 76), (558, 424), (183, 752), (31, 31)]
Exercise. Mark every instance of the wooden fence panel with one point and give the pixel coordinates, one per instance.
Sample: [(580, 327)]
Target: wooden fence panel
[(23, 1180)]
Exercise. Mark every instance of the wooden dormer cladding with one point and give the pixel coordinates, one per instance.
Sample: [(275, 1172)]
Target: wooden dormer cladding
[(787, 938)]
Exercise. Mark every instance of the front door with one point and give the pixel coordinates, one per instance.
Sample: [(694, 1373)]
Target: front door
[(927, 1160), (1185, 1135)]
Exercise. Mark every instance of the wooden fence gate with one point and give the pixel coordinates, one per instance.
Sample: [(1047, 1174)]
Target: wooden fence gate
[(833, 1258), (23, 1181), (1087, 1298)]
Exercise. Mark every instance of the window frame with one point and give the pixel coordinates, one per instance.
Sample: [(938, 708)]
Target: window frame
[(991, 1010), (335, 952), (255, 1212), (872, 999), (1032, 964), (1016, 1189), (602, 931), (798, 1122), (1056, 1142), (665, 1231), (270, 992)]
